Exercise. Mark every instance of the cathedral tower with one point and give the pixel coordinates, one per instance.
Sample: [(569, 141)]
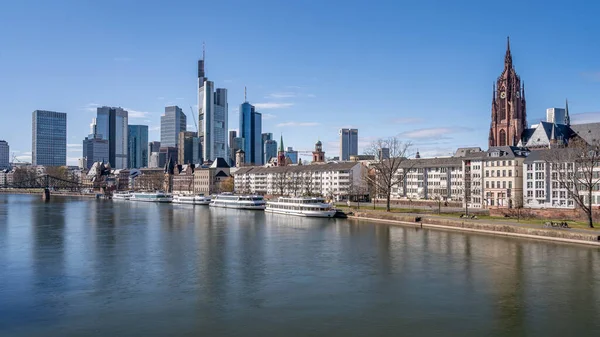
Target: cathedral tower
[(509, 116)]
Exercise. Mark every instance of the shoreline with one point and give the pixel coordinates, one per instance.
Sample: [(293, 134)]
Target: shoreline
[(70, 195), (528, 233)]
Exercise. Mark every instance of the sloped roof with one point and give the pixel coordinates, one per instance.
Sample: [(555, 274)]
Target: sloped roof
[(297, 168), (221, 174), (590, 132), (219, 163), (463, 151)]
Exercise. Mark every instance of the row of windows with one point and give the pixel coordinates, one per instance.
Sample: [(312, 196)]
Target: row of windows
[(499, 163), (498, 184), (504, 172)]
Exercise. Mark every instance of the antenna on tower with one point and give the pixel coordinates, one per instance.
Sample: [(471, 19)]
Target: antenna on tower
[(245, 100), (203, 51)]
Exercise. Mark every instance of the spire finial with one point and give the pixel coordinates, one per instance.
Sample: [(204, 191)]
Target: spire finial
[(508, 57), (567, 118)]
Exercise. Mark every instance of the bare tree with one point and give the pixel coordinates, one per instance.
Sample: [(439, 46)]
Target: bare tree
[(227, 185), (389, 172), (576, 170), (280, 182), (294, 183)]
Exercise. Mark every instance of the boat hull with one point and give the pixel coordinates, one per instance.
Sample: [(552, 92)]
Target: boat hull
[(247, 207), (310, 214)]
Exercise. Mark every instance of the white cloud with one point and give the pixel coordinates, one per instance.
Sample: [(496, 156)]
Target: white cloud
[(273, 105), (91, 107), (585, 117), (297, 124), (432, 132), (74, 145), (278, 95), (407, 120), (24, 158), (268, 116), (131, 113)]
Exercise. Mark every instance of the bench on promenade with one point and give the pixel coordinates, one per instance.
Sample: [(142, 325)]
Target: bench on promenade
[(466, 216), (556, 224)]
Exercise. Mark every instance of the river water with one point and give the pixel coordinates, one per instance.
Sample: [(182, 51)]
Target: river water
[(78, 267)]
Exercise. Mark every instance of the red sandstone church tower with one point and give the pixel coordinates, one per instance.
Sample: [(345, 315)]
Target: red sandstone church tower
[(509, 116)]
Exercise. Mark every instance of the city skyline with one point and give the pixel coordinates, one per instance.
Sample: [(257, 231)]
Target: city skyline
[(423, 81)]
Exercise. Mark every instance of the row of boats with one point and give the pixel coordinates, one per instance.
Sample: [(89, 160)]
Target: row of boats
[(301, 206)]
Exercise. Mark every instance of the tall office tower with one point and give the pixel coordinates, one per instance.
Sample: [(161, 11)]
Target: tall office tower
[(166, 154), (111, 124), (251, 131), (292, 154), (189, 148), (232, 149), (95, 149), (383, 153), (153, 149), (558, 115), (138, 146), (270, 150), (4, 155), (265, 136), (212, 117), (236, 144), (172, 122), (49, 138), (348, 143)]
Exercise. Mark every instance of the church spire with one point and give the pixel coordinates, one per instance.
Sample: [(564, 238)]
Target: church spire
[(567, 118), (281, 148), (508, 56)]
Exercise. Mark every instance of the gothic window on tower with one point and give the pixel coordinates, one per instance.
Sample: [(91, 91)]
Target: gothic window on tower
[(502, 114), (502, 138)]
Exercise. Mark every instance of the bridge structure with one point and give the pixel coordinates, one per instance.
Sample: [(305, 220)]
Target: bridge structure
[(47, 183)]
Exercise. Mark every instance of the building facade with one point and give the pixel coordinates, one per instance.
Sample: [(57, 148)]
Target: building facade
[(509, 115), (212, 117), (138, 146), (431, 179), (543, 188), (207, 180), (153, 150), (292, 155), (348, 143), (112, 125), (189, 148), (270, 150), (4, 155), (49, 138), (172, 122), (251, 132), (95, 150), (332, 180)]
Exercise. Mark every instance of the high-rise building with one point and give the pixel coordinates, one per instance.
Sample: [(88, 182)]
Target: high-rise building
[(509, 114), (112, 125), (556, 115), (348, 143), (251, 131), (212, 117), (292, 154), (138, 146), (167, 154), (153, 149), (270, 150), (171, 124), (49, 138), (95, 149), (4, 155), (383, 153), (189, 148)]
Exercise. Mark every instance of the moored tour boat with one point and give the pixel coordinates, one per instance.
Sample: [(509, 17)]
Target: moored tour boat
[(228, 200), (301, 206), (151, 197), (122, 196), (191, 199)]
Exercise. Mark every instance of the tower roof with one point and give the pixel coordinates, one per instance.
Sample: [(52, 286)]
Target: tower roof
[(508, 56), (281, 148)]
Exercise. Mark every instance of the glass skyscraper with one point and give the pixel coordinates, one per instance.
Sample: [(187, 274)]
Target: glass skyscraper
[(4, 155), (251, 132), (171, 124), (212, 117), (348, 143), (112, 125), (95, 149), (138, 146), (49, 138)]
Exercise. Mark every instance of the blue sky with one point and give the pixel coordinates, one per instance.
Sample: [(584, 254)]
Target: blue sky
[(419, 69)]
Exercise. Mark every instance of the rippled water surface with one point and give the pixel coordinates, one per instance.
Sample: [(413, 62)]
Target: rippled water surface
[(78, 267)]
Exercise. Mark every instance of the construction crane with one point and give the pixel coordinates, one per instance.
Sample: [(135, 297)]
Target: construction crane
[(195, 122), (14, 158)]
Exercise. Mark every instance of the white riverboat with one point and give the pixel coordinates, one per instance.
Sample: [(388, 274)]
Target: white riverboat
[(191, 199), (301, 206), (253, 202), (122, 196), (151, 197)]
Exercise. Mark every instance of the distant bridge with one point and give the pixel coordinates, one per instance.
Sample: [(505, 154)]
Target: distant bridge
[(47, 183)]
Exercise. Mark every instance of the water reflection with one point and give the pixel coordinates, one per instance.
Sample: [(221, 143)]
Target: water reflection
[(99, 268)]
